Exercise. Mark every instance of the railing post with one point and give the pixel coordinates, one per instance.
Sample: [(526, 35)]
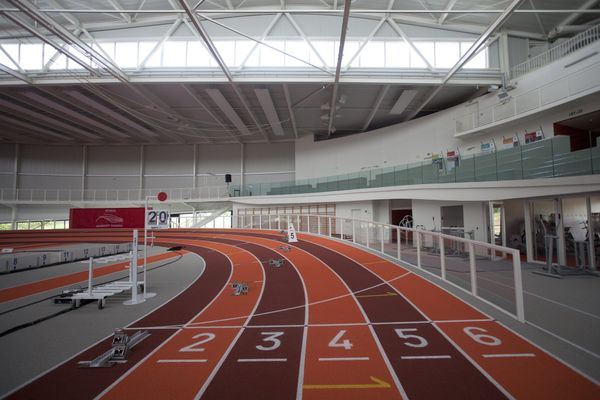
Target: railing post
[(318, 224), (269, 221), (442, 258), (341, 228), (418, 248), (472, 269), (353, 231), (368, 224), (329, 225), (252, 222), (398, 242), (382, 229), (308, 223), (260, 221), (520, 307), (279, 222)]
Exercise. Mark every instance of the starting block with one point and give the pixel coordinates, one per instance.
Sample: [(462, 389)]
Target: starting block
[(239, 288), (121, 344), (285, 248), (276, 263)]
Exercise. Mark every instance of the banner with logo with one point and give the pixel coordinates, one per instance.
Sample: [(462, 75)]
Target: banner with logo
[(510, 142), (488, 147), (531, 137), (90, 218), (452, 159)]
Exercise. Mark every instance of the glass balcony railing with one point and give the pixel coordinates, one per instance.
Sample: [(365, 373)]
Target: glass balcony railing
[(548, 158)]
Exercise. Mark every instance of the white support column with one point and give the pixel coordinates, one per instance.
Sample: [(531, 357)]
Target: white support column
[(560, 232), (135, 299), (591, 234), (195, 167), (504, 54), (329, 225), (382, 233), (528, 230), (83, 169), (242, 167), (472, 269), (398, 243), (368, 227), (90, 275), (141, 183), (319, 224), (418, 234), (17, 164), (13, 217), (442, 257), (520, 306), (353, 231)]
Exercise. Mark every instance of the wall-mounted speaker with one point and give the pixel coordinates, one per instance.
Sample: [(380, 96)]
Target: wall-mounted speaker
[(227, 178)]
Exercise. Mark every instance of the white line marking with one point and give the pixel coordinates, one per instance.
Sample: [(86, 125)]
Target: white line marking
[(262, 360), (425, 357), (183, 361), (343, 358), (508, 355)]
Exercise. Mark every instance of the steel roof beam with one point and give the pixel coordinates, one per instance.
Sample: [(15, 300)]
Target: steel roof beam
[(467, 56), (16, 74), (338, 68), (449, 7)]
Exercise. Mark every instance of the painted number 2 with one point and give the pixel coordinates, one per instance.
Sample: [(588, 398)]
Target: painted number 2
[(482, 338), (335, 342), (270, 337), (207, 337)]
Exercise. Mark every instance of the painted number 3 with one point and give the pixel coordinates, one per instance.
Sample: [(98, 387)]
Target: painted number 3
[(272, 338)]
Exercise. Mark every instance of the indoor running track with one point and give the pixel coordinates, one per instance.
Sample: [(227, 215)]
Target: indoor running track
[(333, 322)]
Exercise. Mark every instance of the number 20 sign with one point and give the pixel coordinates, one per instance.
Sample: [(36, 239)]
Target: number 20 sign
[(158, 219)]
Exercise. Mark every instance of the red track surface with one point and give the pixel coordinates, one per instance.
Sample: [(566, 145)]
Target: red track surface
[(334, 322)]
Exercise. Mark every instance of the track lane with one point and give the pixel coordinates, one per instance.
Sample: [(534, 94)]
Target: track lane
[(58, 381), (342, 361), (417, 351), (265, 361), (183, 366), (521, 368)]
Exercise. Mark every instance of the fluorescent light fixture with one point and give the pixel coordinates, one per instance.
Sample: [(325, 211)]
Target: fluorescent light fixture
[(403, 101), (218, 98), (266, 102)]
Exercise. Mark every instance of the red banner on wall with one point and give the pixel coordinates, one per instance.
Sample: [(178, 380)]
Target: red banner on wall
[(106, 218)]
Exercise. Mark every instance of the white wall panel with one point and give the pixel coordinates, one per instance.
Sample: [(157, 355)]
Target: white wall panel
[(50, 159), (268, 178), (112, 182), (6, 181), (37, 212), (169, 160), (7, 158), (49, 182), (167, 182), (274, 157), (219, 159), (118, 160)]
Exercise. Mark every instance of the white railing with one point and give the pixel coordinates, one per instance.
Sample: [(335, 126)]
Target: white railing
[(567, 47), (67, 195), (489, 272)]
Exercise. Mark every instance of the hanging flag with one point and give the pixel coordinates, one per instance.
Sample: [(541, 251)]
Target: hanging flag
[(452, 159), (510, 142), (292, 238), (535, 136)]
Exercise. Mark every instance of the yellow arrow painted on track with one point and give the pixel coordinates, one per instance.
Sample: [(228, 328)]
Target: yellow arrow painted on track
[(379, 384), (380, 295)]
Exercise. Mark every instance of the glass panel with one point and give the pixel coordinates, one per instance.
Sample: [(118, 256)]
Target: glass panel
[(126, 54), (270, 57), (373, 55), (397, 55), (32, 56), (174, 54), (575, 222), (427, 50), (495, 278), (13, 52)]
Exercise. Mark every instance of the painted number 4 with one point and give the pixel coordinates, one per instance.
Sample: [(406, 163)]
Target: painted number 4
[(335, 342)]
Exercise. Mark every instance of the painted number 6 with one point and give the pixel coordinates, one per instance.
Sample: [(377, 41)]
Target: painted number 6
[(481, 338)]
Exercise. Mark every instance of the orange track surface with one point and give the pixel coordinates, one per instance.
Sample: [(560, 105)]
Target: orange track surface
[(183, 366)]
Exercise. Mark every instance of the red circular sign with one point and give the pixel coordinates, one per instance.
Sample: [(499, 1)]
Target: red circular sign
[(162, 196)]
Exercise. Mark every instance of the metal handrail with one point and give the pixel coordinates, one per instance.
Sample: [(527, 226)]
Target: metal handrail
[(565, 48), (273, 221)]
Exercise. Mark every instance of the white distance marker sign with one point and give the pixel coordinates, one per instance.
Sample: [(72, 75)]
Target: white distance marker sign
[(158, 219)]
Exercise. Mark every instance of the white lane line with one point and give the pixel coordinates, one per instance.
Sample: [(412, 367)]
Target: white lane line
[(425, 357), (343, 358), (508, 355), (183, 361), (262, 360)]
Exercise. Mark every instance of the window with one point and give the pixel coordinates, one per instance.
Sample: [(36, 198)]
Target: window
[(397, 55), (174, 54), (270, 57), (446, 54), (325, 50), (32, 56), (126, 54), (197, 55), (427, 50), (373, 55)]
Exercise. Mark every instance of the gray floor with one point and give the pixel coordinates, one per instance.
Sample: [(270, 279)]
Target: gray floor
[(33, 350)]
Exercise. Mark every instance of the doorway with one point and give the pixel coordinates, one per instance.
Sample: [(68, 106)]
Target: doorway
[(397, 217)]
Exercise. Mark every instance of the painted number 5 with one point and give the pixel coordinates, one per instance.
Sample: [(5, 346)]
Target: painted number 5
[(482, 338), (418, 341), (270, 337)]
